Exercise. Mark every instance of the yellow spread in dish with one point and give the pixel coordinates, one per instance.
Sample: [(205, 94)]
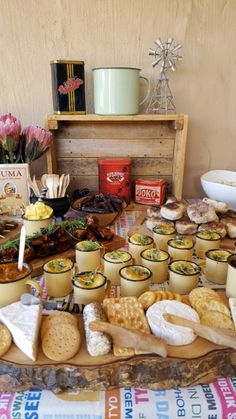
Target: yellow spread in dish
[(38, 211)]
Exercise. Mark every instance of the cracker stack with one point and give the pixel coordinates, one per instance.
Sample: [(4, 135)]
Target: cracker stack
[(211, 308), (126, 312)]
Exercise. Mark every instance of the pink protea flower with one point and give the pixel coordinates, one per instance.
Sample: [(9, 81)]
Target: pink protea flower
[(9, 127), (37, 141)]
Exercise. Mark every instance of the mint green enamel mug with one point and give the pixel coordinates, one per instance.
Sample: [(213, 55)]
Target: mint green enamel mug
[(117, 90)]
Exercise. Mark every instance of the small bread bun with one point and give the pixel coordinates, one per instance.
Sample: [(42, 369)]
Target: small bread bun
[(154, 211), (186, 226), (218, 205), (231, 229), (218, 227), (202, 213), (152, 222), (172, 211)]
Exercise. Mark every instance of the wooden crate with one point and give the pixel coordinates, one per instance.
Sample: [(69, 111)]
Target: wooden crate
[(155, 143)]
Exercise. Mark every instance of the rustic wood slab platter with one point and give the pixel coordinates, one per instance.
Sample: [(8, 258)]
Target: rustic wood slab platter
[(37, 264), (199, 362)]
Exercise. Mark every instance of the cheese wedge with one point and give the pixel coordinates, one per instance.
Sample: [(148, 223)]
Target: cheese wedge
[(24, 323)]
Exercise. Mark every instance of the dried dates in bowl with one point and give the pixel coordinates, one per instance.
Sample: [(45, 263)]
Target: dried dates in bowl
[(107, 208)]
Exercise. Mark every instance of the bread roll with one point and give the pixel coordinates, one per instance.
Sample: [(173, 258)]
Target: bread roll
[(231, 229), (202, 213), (186, 226), (154, 211), (172, 211), (218, 227), (218, 205)]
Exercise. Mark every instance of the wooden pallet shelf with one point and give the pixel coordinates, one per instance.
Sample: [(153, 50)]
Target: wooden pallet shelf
[(155, 143)]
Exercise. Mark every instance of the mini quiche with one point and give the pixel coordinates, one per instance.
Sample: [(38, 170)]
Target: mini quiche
[(180, 242), (135, 272), (164, 229), (140, 239), (155, 255)]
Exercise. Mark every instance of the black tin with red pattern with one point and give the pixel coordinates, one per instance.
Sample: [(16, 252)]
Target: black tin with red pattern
[(68, 87)]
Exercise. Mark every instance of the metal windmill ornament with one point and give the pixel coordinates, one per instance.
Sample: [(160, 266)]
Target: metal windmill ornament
[(165, 55)]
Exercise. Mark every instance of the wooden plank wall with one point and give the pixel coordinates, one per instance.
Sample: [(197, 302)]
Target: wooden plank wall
[(150, 146)]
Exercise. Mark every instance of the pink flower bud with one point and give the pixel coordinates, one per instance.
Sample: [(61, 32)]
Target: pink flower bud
[(9, 126)]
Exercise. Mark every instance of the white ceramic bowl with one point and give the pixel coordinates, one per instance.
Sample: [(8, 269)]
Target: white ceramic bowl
[(214, 189)]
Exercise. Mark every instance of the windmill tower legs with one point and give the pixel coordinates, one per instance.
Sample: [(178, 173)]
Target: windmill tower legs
[(162, 99)]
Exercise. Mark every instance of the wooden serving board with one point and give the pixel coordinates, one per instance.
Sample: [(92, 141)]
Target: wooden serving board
[(37, 264), (201, 361)]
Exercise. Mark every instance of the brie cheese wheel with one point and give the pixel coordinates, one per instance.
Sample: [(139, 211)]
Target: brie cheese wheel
[(173, 334), (24, 323)]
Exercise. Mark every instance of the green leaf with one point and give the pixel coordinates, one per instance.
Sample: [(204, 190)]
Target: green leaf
[(10, 144)]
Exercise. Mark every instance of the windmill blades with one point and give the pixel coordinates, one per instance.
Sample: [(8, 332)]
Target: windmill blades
[(156, 62), (178, 46), (152, 52), (159, 43), (169, 42)]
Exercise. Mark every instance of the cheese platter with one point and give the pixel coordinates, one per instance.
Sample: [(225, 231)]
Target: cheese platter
[(176, 365)]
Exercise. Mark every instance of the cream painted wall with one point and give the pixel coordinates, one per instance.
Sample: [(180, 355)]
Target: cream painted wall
[(120, 32)]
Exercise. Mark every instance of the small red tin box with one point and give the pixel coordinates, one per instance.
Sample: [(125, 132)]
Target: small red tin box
[(150, 191), (114, 177)]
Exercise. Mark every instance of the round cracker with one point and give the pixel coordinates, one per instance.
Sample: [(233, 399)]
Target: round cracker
[(169, 295), (210, 304), (55, 318), (5, 339), (160, 295), (147, 299), (61, 342), (200, 292), (217, 319)]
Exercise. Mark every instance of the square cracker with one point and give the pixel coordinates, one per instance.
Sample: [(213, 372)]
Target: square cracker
[(126, 312)]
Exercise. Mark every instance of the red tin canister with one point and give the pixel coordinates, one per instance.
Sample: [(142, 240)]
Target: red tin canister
[(114, 177), (150, 191)]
